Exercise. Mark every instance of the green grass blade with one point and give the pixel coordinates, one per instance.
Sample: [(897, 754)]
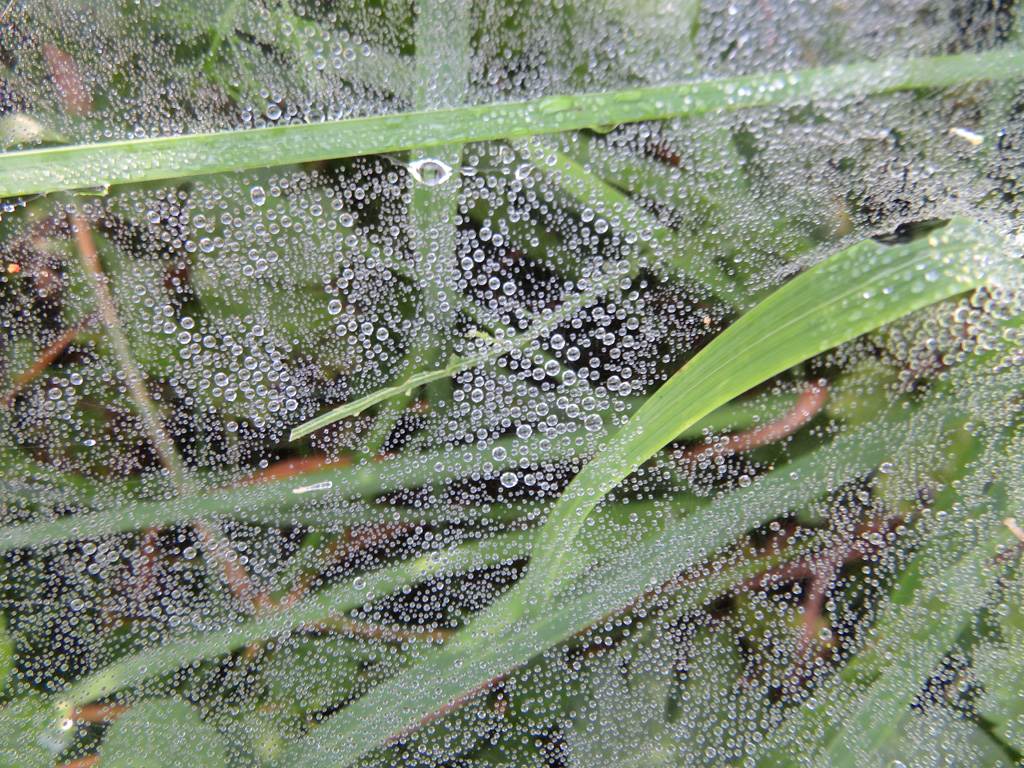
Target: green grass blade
[(274, 502), (321, 606), (664, 247), (41, 171), (542, 324), (853, 292), (452, 672)]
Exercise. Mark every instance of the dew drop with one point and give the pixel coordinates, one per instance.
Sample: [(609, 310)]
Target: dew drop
[(430, 171)]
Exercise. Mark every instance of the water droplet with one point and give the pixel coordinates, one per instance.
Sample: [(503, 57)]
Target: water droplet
[(499, 453), (359, 583), (592, 423), (510, 479), (258, 195), (430, 171)]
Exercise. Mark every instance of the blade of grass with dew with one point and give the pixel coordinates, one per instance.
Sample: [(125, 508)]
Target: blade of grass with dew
[(543, 323), (314, 609), (689, 593), (42, 171), (663, 247), (276, 502), (855, 291)]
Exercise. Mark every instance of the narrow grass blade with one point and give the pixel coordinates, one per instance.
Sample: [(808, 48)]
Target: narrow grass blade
[(853, 292), (275, 502), (42, 171), (335, 601), (442, 57), (542, 324)]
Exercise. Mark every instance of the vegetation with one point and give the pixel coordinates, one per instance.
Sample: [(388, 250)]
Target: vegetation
[(510, 384)]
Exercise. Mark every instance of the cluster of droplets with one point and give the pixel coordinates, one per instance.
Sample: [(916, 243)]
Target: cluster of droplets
[(516, 302)]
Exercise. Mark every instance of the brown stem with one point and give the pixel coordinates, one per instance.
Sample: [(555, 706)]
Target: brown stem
[(43, 361), (214, 543), (64, 71), (291, 467), (162, 444), (99, 713), (807, 406)]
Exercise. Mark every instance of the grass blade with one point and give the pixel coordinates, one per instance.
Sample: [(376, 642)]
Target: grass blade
[(335, 601), (42, 171), (543, 323), (853, 292)]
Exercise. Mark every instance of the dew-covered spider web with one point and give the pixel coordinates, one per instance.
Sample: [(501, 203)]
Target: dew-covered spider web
[(393, 383)]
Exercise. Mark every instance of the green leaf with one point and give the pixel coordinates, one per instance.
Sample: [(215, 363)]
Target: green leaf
[(335, 601), (160, 733), (119, 162), (853, 292)]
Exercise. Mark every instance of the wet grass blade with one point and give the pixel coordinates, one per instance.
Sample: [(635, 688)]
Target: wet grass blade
[(317, 608), (42, 171), (853, 292), (543, 323), (337, 488)]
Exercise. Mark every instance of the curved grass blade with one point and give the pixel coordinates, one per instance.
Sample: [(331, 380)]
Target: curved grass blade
[(853, 292), (42, 171)]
